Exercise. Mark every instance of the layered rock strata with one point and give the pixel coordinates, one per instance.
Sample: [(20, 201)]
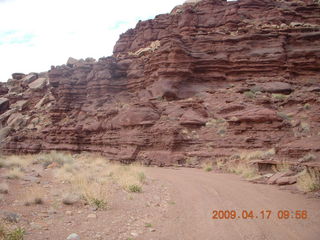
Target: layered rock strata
[(210, 79)]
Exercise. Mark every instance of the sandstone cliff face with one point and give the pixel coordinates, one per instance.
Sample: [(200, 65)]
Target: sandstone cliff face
[(210, 79)]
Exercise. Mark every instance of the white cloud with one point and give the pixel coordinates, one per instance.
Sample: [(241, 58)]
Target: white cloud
[(36, 34)]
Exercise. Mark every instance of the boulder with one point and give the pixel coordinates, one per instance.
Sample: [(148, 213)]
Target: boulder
[(254, 115), (4, 105), (18, 76), (47, 98), (286, 180), (277, 176), (71, 62), (20, 105), (38, 84), (73, 236), (29, 78), (70, 199), (136, 115), (276, 87), (17, 120), (3, 89), (190, 117), (4, 132)]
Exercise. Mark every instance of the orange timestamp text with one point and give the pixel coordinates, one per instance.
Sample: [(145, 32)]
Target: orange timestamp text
[(262, 214)]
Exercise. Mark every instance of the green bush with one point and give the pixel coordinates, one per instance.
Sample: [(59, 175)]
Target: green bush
[(16, 234), (99, 203), (134, 188)]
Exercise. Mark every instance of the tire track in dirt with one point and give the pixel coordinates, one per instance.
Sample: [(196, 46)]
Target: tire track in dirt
[(197, 193)]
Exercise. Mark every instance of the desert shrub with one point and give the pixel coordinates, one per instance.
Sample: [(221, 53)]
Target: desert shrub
[(280, 97), (127, 176), (220, 164), (245, 170), (207, 167), (92, 191), (58, 158), (16, 234), (309, 180), (134, 188), (2, 231), (99, 203), (307, 158), (141, 176), (219, 124), (307, 106), (148, 225), (305, 127), (192, 161), (249, 94), (11, 234)]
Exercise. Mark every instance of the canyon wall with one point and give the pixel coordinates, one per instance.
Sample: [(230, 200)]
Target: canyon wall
[(209, 80)]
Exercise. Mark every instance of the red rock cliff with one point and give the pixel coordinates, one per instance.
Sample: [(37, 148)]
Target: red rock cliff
[(208, 80)]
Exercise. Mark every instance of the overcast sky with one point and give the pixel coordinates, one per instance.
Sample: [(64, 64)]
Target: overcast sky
[(35, 34)]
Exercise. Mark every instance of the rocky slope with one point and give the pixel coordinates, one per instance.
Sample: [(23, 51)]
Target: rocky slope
[(209, 80)]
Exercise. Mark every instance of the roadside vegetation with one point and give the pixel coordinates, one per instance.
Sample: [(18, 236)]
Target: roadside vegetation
[(7, 232), (89, 177), (207, 167), (309, 180), (242, 163)]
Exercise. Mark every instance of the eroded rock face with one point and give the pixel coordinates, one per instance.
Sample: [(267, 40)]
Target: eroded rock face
[(199, 82)]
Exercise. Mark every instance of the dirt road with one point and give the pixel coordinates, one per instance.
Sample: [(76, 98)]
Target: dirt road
[(197, 193)]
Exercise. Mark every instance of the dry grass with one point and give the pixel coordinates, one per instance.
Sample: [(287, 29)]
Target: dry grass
[(240, 168), (279, 96), (87, 179), (241, 163), (129, 177), (54, 158), (304, 127), (3, 231), (91, 177), (207, 166), (220, 163), (16, 161), (34, 195), (309, 180), (93, 192), (308, 158), (282, 167), (15, 234), (256, 155), (192, 161), (14, 173), (220, 125), (9, 233)]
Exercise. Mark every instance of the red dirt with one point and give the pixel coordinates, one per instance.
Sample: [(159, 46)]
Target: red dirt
[(197, 193), (178, 203)]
